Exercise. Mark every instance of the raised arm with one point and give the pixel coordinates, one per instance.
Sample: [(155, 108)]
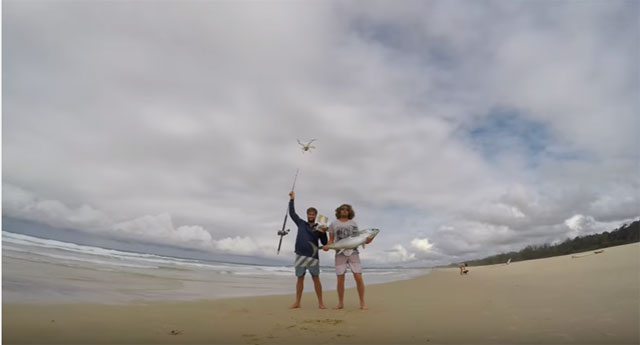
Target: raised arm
[(292, 210)]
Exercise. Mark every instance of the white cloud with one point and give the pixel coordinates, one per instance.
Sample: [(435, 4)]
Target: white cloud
[(398, 253), (581, 225), (160, 229), (239, 245), (191, 116), (20, 203), (579, 222), (422, 244)]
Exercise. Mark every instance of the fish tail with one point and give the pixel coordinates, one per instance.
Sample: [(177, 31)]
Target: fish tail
[(315, 248)]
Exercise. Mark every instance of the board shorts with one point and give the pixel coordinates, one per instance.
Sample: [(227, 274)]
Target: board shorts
[(304, 263), (353, 261)]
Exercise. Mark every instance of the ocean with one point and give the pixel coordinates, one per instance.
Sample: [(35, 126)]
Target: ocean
[(37, 270)]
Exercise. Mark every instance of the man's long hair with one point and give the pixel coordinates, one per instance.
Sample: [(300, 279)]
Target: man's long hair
[(352, 213)]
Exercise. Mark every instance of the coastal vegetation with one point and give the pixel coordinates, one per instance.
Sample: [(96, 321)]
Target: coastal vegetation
[(627, 233)]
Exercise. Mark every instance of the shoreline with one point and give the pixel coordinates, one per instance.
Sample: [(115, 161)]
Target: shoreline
[(560, 300), (25, 282)]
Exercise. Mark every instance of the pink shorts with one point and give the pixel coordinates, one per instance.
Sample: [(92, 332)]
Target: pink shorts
[(353, 261)]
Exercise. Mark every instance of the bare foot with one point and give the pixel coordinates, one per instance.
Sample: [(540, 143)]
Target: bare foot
[(321, 306), (339, 306), (294, 306), (363, 307)]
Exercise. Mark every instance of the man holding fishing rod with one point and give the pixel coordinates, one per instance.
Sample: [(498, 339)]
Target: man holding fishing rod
[(307, 250)]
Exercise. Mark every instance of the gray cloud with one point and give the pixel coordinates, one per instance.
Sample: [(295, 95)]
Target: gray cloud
[(175, 121)]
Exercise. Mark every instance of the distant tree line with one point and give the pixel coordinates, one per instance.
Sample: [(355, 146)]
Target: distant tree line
[(628, 233)]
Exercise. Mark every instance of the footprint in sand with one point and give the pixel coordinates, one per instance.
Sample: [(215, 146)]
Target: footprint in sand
[(176, 331), (252, 338), (340, 335), (318, 326), (331, 322)]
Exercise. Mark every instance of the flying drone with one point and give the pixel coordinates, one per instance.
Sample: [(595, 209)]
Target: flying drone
[(306, 147)]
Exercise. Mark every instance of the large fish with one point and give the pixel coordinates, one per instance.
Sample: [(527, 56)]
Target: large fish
[(354, 241)]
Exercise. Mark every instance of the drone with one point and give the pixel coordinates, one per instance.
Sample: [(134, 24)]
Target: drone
[(306, 147)]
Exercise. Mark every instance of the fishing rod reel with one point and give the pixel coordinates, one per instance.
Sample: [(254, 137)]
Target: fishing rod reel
[(283, 232)]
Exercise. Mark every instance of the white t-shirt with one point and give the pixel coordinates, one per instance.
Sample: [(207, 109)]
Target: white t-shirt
[(342, 230)]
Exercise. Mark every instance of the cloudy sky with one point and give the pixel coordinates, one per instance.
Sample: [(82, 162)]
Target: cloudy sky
[(460, 129)]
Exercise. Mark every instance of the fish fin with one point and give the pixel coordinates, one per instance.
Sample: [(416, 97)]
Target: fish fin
[(340, 251), (363, 246)]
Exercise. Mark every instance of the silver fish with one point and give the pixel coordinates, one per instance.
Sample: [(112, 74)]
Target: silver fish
[(353, 241)]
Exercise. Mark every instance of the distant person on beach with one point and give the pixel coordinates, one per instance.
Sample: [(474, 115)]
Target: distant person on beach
[(341, 228), (463, 268), (306, 254)]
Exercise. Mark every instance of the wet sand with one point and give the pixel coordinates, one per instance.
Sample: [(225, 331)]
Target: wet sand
[(589, 299)]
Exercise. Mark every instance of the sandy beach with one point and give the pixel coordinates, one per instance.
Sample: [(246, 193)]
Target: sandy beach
[(586, 299)]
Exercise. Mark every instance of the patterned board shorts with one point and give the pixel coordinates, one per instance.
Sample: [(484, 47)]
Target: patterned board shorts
[(304, 263), (353, 261)]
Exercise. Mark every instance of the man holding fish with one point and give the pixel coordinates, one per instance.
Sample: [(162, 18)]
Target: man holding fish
[(345, 237)]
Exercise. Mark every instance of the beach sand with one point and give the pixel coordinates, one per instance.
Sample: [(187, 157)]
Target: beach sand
[(592, 299)]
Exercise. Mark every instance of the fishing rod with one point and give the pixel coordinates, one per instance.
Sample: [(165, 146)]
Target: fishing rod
[(284, 232)]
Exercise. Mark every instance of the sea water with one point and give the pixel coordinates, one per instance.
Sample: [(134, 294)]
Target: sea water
[(36, 270)]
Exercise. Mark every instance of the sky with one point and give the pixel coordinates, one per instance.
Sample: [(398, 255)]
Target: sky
[(460, 129)]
